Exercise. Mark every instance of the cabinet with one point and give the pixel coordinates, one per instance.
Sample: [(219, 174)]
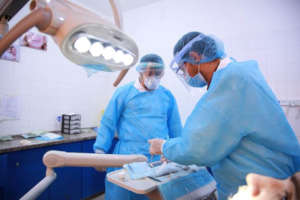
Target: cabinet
[(21, 170), (93, 181), (3, 173)]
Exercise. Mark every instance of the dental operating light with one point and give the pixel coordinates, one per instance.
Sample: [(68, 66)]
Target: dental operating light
[(96, 49), (119, 56), (82, 44), (128, 59), (108, 53), (82, 36)]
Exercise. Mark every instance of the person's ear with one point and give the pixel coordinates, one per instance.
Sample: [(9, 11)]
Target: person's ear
[(195, 56)]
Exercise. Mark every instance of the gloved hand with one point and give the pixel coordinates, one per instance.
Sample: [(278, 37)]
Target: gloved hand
[(163, 159), (156, 146), (100, 169)]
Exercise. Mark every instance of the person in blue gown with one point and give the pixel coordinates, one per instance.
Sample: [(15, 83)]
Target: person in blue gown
[(137, 112), (237, 127)]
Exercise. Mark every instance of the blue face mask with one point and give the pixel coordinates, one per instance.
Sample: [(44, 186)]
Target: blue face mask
[(196, 81)]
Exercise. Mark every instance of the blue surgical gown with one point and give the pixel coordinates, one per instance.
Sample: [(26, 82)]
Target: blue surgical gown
[(136, 117), (237, 127)]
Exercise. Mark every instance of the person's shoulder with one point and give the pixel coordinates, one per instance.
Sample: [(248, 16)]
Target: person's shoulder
[(242, 70), (239, 74), (248, 65), (166, 91), (123, 90), (126, 86), (163, 88)]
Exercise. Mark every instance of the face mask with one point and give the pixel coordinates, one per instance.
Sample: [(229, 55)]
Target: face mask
[(196, 81), (151, 83)]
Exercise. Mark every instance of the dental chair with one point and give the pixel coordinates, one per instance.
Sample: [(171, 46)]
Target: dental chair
[(54, 159)]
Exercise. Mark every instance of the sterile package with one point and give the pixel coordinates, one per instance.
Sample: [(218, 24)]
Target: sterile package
[(139, 170), (6, 138), (49, 137)]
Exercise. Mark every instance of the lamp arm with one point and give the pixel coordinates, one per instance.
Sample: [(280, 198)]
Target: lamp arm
[(40, 18), (54, 159), (117, 14), (118, 22), (120, 77)]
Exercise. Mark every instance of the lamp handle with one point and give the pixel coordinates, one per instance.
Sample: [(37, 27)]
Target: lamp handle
[(117, 13), (119, 23)]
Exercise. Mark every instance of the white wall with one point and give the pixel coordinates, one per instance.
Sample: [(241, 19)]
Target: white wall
[(47, 85), (265, 30)]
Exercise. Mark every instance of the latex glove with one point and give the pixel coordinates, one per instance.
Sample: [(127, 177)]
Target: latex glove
[(156, 146), (167, 168), (163, 159), (100, 169)]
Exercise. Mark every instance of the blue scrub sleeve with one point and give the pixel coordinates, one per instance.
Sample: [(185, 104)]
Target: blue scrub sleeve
[(297, 163), (211, 132), (174, 121), (109, 123), (206, 144)]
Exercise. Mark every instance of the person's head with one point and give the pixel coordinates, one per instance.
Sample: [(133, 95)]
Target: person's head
[(151, 70), (261, 187), (196, 57)]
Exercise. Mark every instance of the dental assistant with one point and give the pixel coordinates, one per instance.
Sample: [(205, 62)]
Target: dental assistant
[(237, 127), (138, 111)]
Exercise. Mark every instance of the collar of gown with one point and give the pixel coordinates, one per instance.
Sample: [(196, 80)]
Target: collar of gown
[(139, 86), (224, 62)]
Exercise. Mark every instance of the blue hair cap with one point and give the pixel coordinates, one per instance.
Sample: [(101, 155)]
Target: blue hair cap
[(154, 60), (208, 47)]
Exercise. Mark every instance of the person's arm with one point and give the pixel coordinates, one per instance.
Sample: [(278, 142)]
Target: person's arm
[(207, 138), (215, 127), (109, 123), (174, 121)]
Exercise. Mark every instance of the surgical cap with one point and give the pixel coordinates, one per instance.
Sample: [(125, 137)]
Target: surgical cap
[(150, 60), (207, 46)]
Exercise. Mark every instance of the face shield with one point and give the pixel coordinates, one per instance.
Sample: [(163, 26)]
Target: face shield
[(208, 48), (151, 74)]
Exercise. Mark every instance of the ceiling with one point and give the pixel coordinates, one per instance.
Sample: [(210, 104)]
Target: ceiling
[(10, 7), (103, 6)]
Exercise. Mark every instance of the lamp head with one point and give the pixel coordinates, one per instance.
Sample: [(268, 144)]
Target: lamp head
[(86, 39)]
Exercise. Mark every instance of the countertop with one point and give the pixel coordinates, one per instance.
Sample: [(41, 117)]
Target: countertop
[(19, 143)]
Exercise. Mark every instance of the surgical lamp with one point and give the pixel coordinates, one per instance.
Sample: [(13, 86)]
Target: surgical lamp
[(82, 36)]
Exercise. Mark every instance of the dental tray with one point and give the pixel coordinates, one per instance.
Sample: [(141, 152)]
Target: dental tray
[(146, 184), (139, 186)]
